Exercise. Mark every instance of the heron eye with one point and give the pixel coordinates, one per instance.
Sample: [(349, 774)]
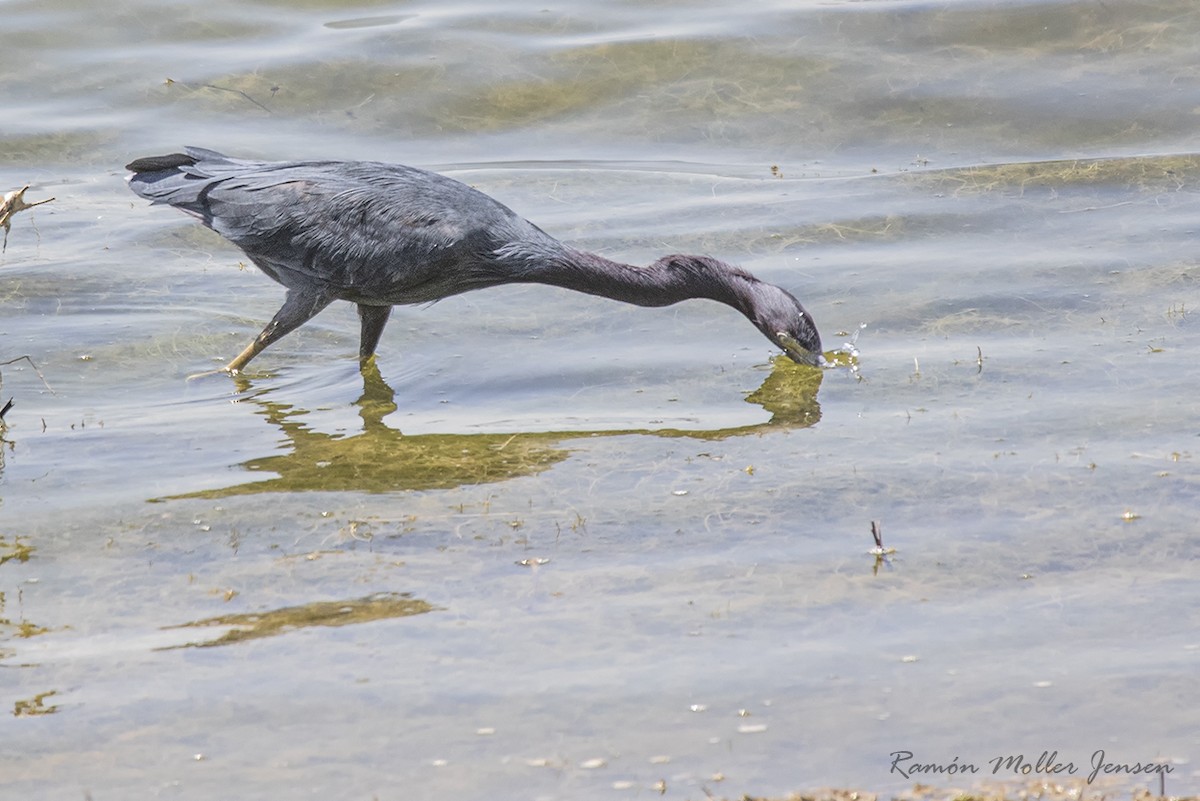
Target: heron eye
[(792, 347), (787, 340)]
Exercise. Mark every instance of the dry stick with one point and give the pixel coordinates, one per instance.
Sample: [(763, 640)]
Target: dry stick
[(13, 202)]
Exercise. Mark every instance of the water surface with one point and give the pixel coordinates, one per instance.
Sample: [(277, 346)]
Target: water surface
[(558, 547)]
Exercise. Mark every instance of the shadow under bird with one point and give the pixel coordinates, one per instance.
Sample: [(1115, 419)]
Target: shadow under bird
[(380, 235)]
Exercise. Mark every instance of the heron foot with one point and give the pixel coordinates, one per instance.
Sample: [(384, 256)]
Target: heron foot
[(207, 373)]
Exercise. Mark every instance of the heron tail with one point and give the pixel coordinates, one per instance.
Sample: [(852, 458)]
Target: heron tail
[(160, 163)]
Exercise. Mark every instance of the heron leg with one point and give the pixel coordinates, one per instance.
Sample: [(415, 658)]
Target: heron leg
[(373, 319), (297, 309)]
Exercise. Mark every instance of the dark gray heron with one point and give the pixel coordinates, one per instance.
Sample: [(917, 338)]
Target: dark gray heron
[(380, 235)]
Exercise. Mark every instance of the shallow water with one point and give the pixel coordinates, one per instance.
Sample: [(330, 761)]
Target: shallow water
[(558, 547)]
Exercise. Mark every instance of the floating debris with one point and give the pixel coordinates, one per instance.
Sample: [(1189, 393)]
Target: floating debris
[(35, 706)]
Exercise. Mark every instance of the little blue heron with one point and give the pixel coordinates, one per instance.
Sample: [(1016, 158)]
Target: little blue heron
[(379, 235)]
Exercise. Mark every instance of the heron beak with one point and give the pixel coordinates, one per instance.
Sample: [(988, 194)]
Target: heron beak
[(797, 352)]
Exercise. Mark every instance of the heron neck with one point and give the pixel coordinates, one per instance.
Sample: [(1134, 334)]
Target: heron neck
[(669, 280)]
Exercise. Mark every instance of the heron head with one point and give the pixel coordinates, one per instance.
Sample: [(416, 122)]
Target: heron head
[(788, 324)]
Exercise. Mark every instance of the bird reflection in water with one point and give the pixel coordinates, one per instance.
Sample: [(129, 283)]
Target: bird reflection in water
[(383, 459)]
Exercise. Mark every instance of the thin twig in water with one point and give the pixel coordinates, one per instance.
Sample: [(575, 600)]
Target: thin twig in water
[(171, 81), (45, 383), (238, 92)]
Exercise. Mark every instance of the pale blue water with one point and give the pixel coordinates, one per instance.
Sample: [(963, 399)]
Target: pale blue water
[(566, 548)]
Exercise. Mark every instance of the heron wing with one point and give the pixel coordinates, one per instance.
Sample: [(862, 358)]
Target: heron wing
[(367, 231), (378, 231)]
